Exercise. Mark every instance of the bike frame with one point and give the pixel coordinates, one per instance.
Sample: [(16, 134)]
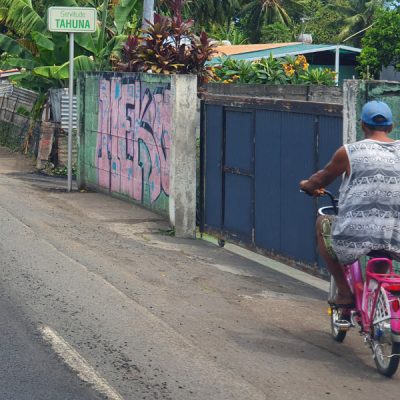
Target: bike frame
[(376, 287), (376, 311)]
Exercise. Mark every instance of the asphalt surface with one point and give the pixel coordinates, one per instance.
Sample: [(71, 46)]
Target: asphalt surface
[(29, 370), (156, 317)]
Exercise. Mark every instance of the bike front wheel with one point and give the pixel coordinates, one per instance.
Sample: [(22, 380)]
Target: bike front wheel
[(338, 333)]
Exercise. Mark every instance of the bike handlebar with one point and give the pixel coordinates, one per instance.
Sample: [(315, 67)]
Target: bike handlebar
[(332, 198)]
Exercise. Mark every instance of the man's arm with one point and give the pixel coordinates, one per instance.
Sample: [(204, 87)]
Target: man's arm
[(336, 167)]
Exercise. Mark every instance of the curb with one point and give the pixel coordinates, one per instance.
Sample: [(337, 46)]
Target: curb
[(294, 273)]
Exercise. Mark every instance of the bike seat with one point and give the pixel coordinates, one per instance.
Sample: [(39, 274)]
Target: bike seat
[(380, 254)]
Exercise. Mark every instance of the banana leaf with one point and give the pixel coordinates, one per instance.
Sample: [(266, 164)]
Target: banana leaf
[(19, 63), (42, 41), (21, 17), (36, 83), (87, 41), (81, 63), (122, 12), (114, 46), (12, 47)]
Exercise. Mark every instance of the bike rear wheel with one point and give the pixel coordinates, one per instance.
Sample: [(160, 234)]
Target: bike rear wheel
[(386, 357)]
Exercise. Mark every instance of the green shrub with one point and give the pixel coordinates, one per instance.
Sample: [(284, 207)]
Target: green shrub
[(288, 70), (168, 46)]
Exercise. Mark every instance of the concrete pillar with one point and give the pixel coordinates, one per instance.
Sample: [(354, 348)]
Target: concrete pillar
[(81, 173), (185, 119), (337, 64), (351, 90)]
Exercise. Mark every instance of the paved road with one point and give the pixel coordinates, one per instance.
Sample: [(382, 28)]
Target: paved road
[(142, 315), (29, 370)]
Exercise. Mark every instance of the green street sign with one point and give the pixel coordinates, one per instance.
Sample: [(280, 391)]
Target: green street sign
[(72, 19)]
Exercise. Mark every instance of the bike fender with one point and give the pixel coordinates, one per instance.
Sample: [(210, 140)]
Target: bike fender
[(395, 325)]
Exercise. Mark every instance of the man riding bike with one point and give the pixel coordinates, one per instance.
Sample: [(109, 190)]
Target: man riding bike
[(369, 200)]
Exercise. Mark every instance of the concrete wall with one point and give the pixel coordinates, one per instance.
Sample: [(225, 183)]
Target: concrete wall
[(356, 93), (389, 74), (137, 140), (316, 93)]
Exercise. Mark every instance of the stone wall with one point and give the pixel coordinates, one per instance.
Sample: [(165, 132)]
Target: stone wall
[(312, 93)]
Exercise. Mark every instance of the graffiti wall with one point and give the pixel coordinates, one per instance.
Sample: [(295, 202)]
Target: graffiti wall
[(133, 139), (137, 141)]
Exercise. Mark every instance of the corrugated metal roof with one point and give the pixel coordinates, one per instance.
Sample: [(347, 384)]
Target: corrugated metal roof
[(248, 48), (288, 49), (6, 88), (9, 72), (25, 95)]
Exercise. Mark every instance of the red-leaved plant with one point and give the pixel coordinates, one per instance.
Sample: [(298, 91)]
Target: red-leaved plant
[(168, 46)]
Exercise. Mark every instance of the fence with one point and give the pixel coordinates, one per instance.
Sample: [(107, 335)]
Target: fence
[(16, 107), (258, 142)]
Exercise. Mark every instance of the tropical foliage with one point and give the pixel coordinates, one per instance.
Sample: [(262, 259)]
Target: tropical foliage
[(175, 42), (327, 21), (358, 16), (214, 11), (276, 33), (233, 33), (288, 70), (168, 46), (381, 44), (26, 42), (257, 13)]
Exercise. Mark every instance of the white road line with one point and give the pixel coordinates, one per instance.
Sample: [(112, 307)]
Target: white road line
[(274, 265), (75, 361)]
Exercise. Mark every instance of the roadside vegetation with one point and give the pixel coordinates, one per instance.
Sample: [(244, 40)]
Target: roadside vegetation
[(281, 71), (179, 41)]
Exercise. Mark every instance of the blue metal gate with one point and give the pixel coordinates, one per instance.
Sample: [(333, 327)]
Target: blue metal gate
[(254, 152)]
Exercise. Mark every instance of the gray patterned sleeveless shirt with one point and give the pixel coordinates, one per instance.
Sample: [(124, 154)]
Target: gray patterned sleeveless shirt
[(369, 201)]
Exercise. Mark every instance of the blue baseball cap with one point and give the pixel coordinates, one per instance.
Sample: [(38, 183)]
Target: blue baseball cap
[(376, 113)]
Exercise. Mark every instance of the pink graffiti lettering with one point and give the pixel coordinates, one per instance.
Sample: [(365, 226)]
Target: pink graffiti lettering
[(134, 138)]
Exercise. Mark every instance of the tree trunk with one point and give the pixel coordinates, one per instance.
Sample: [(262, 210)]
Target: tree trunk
[(148, 13)]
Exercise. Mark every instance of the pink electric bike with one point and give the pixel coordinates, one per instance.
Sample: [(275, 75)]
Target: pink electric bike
[(376, 312)]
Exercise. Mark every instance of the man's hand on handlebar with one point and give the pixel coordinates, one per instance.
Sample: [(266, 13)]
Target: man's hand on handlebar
[(305, 187)]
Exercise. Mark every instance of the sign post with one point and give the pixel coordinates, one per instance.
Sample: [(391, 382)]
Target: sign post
[(71, 20)]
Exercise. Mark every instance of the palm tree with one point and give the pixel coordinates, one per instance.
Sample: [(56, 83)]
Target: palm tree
[(209, 12), (358, 15), (257, 13)]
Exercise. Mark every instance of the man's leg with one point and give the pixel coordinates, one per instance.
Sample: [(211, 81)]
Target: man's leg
[(344, 295)]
